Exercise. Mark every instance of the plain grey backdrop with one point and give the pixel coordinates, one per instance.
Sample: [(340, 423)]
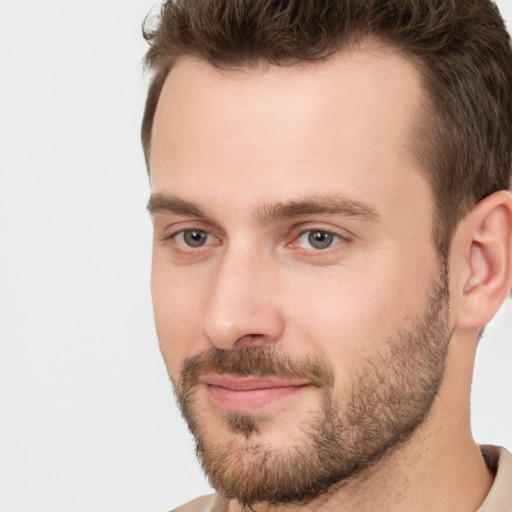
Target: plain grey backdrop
[(87, 418)]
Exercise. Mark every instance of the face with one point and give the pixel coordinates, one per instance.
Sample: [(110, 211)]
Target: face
[(299, 301)]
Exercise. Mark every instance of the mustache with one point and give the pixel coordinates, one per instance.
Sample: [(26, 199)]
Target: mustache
[(256, 361)]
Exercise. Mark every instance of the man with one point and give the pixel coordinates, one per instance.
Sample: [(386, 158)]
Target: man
[(332, 231)]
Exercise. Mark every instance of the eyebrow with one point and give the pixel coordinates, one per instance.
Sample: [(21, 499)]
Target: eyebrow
[(331, 204), (161, 203)]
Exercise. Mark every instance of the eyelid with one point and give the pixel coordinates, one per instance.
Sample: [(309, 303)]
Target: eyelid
[(302, 230), (182, 227), (168, 230), (305, 227)]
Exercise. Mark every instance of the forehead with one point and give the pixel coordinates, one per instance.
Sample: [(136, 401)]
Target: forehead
[(345, 121)]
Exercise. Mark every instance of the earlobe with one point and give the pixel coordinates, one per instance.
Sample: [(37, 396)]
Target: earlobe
[(488, 255)]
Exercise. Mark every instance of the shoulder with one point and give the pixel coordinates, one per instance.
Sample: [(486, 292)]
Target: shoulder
[(210, 503)]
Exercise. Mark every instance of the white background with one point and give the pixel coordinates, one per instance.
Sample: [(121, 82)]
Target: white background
[(87, 421)]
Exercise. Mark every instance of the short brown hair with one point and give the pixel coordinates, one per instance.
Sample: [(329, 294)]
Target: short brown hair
[(461, 48)]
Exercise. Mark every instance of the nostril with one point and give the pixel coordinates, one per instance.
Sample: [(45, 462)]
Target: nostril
[(250, 339)]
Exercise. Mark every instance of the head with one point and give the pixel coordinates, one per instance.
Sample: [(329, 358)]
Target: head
[(311, 166)]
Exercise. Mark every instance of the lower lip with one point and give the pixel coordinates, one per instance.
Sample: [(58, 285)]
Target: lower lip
[(249, 400)]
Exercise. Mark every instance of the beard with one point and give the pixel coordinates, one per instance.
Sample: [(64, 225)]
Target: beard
[(389, 398)]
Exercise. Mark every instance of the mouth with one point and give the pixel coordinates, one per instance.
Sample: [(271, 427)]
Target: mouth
[(249, 394)]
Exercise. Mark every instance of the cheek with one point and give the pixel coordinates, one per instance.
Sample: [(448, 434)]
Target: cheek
[(345, 319), (178, 312)]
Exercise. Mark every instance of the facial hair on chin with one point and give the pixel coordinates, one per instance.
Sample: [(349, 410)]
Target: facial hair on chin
[(389, 398)]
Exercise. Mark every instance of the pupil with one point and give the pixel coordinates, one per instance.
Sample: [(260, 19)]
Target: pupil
[(195, 238), (320, 239)]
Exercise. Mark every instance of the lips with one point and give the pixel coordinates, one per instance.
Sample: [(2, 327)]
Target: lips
[(248, 394)]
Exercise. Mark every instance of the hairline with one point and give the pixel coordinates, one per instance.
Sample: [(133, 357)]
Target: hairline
[(251, 64)]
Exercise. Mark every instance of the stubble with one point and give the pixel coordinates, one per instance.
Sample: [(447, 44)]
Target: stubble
[(390, 397)]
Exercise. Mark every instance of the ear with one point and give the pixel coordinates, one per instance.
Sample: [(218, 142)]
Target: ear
[(484, 266)]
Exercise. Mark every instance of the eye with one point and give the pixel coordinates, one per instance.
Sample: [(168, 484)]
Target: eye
[(317, 239), (193, 238)]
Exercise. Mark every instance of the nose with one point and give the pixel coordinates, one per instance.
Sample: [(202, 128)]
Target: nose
[(243, 308)]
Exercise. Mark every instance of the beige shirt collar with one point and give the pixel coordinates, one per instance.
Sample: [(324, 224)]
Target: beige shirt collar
[(499, 498)]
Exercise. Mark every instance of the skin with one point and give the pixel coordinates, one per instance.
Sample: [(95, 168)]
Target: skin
[(227, 146)]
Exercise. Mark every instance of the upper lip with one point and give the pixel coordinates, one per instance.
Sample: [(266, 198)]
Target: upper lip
[(249, 383)]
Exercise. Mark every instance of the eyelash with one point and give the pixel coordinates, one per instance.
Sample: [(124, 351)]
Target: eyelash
[(313, 231), (294, 244), (183, 247)]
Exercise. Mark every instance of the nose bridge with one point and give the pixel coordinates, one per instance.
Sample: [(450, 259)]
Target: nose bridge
[(241, 308)]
